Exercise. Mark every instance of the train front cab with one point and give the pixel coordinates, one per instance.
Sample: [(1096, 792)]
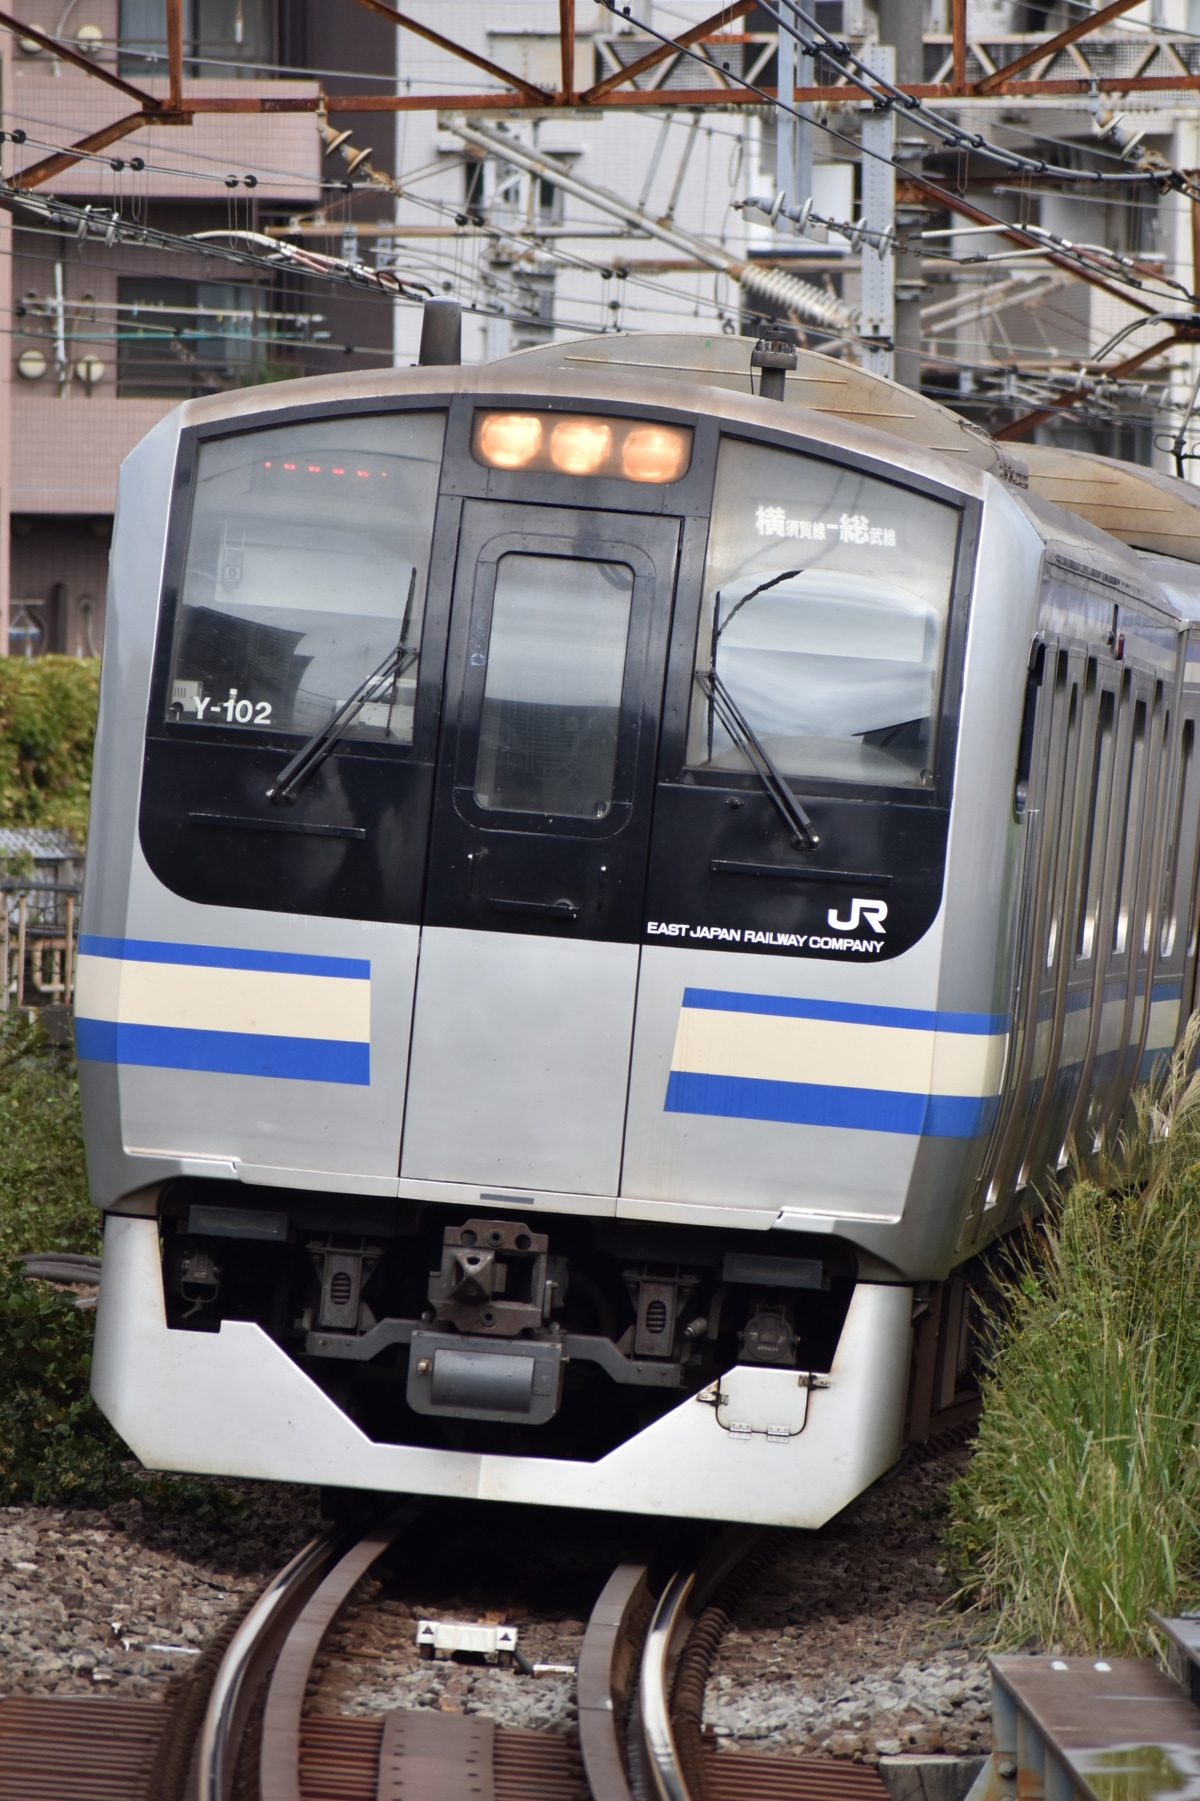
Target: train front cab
[(579, 1129)]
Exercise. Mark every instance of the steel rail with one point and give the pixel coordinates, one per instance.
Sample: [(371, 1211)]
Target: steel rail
[(232, 1689), (606, 1678), (279, 1757), (661, 1752), (686, 1620)]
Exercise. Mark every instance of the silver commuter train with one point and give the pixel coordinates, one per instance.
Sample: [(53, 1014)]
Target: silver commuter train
[(610, 881)]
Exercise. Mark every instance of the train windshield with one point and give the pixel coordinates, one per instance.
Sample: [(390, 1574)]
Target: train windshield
[(826, 597), (299, 574)]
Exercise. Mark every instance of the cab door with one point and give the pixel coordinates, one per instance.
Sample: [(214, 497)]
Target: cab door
[(529, 949)]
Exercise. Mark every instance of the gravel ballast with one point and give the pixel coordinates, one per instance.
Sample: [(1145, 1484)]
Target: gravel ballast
[(849, 1645), (117, 1600)]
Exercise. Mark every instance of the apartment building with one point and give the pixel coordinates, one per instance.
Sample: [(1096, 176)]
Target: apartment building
[(105, 340)]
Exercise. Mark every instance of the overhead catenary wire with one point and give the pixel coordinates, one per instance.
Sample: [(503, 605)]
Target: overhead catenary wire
[(788, 291), (779, 104), (531, 239), (378, 180), (91, 223)]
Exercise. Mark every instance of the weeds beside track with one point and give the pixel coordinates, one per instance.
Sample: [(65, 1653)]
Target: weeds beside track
[(1080, 1511)]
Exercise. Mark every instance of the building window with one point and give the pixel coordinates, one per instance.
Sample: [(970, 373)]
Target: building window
[(177, 338), (219, 36)]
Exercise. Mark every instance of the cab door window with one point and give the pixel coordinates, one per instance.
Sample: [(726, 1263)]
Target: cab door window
[(551, 710)]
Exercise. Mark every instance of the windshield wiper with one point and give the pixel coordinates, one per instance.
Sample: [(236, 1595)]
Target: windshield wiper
[(772, 581), (313, 753), (747, 740)]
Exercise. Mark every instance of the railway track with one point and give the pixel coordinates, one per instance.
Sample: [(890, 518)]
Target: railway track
[(236, 1729)]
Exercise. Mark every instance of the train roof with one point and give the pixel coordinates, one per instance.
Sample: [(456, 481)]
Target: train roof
[(1138, 507), (852, 415), (1080, 547), (819, 383), (1143, 507)]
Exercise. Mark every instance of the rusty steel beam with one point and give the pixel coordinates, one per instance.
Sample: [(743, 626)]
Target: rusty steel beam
[(77, 57), (1082, 28), (546, 101), (539, 96), (175, 54), (1017, 428), (927, 90), (959, 29), (36, 173), (696, 35), (566, 41), (541, 100)]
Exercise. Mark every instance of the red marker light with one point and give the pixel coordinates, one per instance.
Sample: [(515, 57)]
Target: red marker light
[(266, 465), (363, 474), (314, 468), (289, 465), (337, 472)]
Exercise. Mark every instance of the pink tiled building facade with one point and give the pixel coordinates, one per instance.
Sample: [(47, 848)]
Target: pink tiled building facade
[(105, 340)]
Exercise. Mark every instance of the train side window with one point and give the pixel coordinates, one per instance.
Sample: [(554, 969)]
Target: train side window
[(552, 693), (1092, 876), (1059, 807), (1173, 898), (307, 558), (1131, 831), (826, 594)]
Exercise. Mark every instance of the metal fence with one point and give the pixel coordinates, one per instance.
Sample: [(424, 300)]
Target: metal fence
[(39, 932)]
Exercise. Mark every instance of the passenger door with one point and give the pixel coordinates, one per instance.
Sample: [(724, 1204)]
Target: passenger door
[(529, 953)]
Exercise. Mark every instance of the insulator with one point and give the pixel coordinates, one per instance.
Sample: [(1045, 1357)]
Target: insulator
[(793, 295)]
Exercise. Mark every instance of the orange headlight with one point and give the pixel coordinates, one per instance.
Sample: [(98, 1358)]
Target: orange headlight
[(582, 444), (579, 446), (655, 453), (510, 440)]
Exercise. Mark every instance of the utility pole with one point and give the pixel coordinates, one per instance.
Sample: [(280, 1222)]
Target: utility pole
[(901, 24), (879, 214), (793, 136)]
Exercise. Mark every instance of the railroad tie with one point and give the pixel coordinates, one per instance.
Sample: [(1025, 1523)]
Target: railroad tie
[(431, 1756)]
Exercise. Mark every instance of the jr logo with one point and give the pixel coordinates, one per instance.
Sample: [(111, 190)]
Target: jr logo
[(874, 912)]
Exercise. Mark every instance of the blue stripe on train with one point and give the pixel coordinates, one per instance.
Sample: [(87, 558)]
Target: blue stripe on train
[(810, 1104), (224, 1053), (220, 956), (913, 1019)]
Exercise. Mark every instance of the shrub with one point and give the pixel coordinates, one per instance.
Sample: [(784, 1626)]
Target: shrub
[(47, 723), (44, 1203), (1081, 1508), (56, 1447)]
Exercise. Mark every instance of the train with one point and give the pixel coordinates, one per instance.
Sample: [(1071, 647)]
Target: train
[(615, 875)]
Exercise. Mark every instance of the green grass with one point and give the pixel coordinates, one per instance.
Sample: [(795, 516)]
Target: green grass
[(54, 1443), (1080, 1510), (56, 1447), (44, 1203)]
